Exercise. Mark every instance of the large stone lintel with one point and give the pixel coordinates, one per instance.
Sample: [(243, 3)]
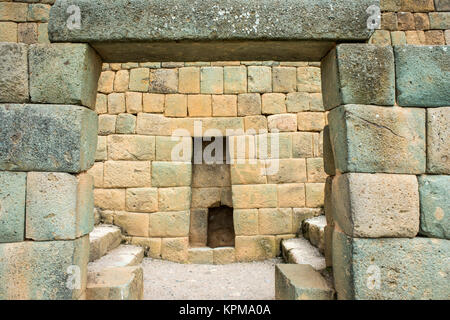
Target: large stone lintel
[(121, 29)]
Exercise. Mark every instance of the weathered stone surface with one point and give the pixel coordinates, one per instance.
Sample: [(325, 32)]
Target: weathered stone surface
[(254, 196), (131, 147), (14, 72), (328, 156), (251, 248), (378, 139), (300, 282), (297, 20), (275, 220), (64, 73), (423, 75), (132, 223), (245, 222), (47, 138), (174, 199), (300, 251), (438, 140), (33, 270), (12, 206), (358, 74), (60, 206), (123, 256), (175, 249), (291, 195), (122, 283), (434, 206), (201, 255), (206, 197), (171, 174), (390, 269), (376, 205), (169, 224), (127, 174), (102, 239), (142, 199), (224, 255)]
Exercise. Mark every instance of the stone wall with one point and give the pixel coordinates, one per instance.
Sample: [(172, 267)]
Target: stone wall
[(164, 203)]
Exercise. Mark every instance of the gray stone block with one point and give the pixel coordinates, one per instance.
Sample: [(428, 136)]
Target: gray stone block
[(220, 29), (438, 140), (33, 270), (64, 73), (13, 72), (47, 138), (376, 205), (358, 74), (60, 206), (423, 75), (390, 269), (378, 139), (435, 206), (12, 206)]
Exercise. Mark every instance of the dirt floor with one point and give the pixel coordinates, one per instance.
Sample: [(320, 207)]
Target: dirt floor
[(165, 280)]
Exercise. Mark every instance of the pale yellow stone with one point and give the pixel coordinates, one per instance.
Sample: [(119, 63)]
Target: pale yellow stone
[(282, 122), (189, 80), (173, 149), (132, 224), (97, 173), (248, 173), (174, 199), (235, 79), (249, 104), (275, 220), (139, 79), (224, 255), (273, 103), (169, 224), (116, 103), (175, 249), (315, 193), (153, 102), (175, 105), (101, 103), (100, 153), (106, 124), (206, 197), (289, 170), (133, 102), (121, 81), (291, 195), (245, 222), (8, 32), (106, 82), (315, 170), (224, 105), (311, 121), (199, 105), (254, 196), (257, 124), (109, 199), (252, 248), (127, 174), (131, 147), (284, 79), (142, 199), (259, 79)]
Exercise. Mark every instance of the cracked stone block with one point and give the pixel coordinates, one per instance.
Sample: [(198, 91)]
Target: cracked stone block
[(378, 139), (64, 73), (438, 140), (358, 74), (47, 138), (13, 72), (12, 206), (390, 269), (423, 75)]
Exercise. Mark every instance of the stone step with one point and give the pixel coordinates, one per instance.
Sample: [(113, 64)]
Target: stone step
[(313, 229), (116, 283), (300, 251), (103, 238), (122, 256), (301, 282)]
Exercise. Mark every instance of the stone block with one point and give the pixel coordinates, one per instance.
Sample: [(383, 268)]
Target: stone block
[(201, 256), (273, 103), (257, 123), (224, 105), (131, 147), (132, 224), (198, 229), (169, 224), (171, 174), (235, 80), (127, 174), (211, 175), (175, 249), (97, 173), (199, 105), (139, 80), (298, 101), (121, 81), (116, 103), (13, 11), (38, 12), (189, 80), (245, 222), (300, 282), (60, 206), (282, 122), (106, 124), (259, 79), (254, 196), (378, 139), (249, 104), (174, 199), (315, 170), (291, 195), (302, 144), (211, 80), (12, 206), (175, 105), (289, 171), (133, 102), (358, 74), (274, 146), (442, 5), (224, 255), (14, 72), (100, 153), (390, 269), (328, 156), (314, 194), (64, 73), (8, 32), (39, 270), (109, 199), (275, 221), (308, 79), (206, 197), (422, 79), (153, 102), (438, 137), (142, 199), (106, 82), (248, 173), (173, 148), (376, 205), (253, 248), (310, 121), (125, 123), (47, 138), (163, 81), (284, 79), (301, 214), (153, 124), (434, 206)]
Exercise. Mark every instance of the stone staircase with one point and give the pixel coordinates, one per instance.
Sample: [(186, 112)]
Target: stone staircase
[(114, 271), (305, 275)]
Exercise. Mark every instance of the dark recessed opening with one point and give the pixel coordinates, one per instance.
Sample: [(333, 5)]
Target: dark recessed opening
[(220, 227)]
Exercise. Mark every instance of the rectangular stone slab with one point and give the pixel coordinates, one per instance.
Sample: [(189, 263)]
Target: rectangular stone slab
[(387, 269), (12, 206), (135, 25), (47, 138)]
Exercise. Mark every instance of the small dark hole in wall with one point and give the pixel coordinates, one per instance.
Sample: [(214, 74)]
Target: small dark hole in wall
[(220, 227)]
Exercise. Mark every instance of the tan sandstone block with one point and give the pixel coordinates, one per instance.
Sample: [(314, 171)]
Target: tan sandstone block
[(308, 79), (315, 194), (224, 105), (175, 249), (301, 214), (254, 196), (163, 81), (206, 197), (127, 174), (109, 199), (153, 102), (132, 224), (142, 199), (311, 121), (211, 80), (235, 79), (291, 195), (245, 222), (284, 79), (248, 173), (152, 246), (139, 79), (175, 105), (298, 101), (116, 103), (259, 79), (203, 255), (302, 144), (101, 103), (173, 149), (289, 170), (275, 221), (256, 123), (282, 122), (198, 229), (252, 248), (171, 174), (210, 175), (189, 80), (97, 173), (101, 151), (174, 199), (315, 169), (169, 224), (154, 124), (133, 102), (106, 82), (131, 147), (121, 81), (199, 105), (106, 124), (8, 32), (273, 103), (224, 255), (249, 104)]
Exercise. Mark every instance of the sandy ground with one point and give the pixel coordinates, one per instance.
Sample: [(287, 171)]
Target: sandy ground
[(164, 280)]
